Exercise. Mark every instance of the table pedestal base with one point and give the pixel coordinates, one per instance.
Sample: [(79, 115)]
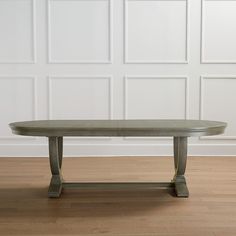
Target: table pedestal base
[(57, 183)]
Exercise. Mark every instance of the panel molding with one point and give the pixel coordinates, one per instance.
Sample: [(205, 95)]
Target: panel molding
[(33, 43), (110, 98), (125, 32), (201, 104), (34, 106), (202, 60), (110, 40), (54, 77), (125, 106)]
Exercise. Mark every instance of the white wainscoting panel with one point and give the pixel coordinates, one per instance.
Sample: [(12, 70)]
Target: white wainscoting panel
[(156, 97), (19, 102), (17, 28), (218, 99), (218, 31), (79, 31), (156, 31), (80, 97)]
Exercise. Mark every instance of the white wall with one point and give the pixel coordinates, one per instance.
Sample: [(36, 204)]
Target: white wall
[(117, 59)]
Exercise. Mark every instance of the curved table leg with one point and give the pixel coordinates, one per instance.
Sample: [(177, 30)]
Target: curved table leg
[(55, 157), (60, 150), (180, 160)]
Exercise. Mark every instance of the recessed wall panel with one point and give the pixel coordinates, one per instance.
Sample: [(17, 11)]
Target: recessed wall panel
[(80, 97), (79, 31), (17, 103), (17, 31), (217, 103), (219, 31), (156, 98), (155, 31)]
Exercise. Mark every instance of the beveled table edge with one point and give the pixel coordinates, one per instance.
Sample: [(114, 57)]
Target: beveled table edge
[(117, 131)]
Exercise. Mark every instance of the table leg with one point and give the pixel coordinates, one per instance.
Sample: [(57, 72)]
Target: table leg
[(180, 160), (55, 157), (60, 150)]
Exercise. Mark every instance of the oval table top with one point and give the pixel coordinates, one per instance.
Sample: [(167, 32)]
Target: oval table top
[(142, 128)]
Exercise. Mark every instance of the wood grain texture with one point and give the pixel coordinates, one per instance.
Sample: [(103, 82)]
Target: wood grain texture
[(210, 210), (124, 128)]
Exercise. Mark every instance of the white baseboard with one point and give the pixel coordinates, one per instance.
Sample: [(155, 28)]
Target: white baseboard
[(77, 150)]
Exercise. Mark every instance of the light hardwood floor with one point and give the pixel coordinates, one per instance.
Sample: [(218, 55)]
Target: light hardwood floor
[(209, 211)]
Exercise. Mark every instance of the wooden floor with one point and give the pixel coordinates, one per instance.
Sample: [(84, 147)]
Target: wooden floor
[(210, 210)]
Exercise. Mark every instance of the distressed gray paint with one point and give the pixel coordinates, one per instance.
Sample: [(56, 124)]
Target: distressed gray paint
[(59, 128), (180, 130)]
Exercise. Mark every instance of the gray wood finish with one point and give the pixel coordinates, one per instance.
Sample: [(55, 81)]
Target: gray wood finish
[(60, 150), (180, 130), (55, 155), (180, 161), (118, 185), (59, 128)]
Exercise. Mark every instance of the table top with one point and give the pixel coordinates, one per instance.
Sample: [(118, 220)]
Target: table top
[(141, 128)]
